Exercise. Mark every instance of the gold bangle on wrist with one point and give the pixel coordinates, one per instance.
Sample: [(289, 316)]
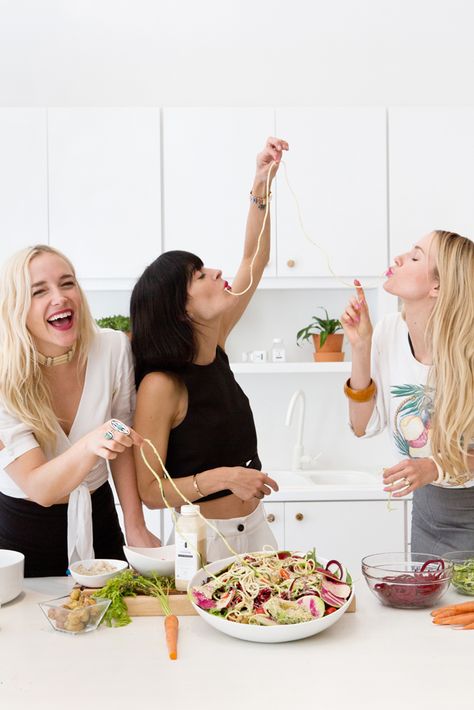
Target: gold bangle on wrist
[(196, 487), (364, 395)]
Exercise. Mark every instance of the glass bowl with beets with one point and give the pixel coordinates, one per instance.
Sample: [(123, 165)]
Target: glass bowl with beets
[(463, 570), (407, 580)]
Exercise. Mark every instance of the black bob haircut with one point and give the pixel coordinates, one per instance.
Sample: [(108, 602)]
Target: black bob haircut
[(162, 332)]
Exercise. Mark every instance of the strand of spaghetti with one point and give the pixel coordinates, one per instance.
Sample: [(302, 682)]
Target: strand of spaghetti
[(318, 246), (259, 238)]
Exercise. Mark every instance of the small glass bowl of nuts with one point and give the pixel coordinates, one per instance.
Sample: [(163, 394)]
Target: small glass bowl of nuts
[(75, 614)]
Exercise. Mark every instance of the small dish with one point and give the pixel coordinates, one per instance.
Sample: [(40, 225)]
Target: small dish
[(75, 615), (151, 560), (463, 571), (11, 574), (95, 580)]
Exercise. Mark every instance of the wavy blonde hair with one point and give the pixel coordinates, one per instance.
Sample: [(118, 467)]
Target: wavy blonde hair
[(450, 334), (24, 390)]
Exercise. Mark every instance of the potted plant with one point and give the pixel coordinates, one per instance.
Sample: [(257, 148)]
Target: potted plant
[(327, 341), (115, 323)]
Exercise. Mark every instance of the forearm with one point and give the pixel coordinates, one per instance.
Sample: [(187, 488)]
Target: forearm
[(360, 412), (255, 220), (210, 481), (52, 481)]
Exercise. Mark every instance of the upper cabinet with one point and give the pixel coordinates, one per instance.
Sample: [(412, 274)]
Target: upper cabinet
[(208, 170), (337, 168), (431, 168), (105, 189), (23, 179)]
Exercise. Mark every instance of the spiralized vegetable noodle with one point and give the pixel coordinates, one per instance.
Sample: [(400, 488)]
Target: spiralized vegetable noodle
[(272, 588)]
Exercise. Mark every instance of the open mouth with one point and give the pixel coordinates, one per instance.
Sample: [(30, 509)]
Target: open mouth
[(389, 272), (62, 320), (227, 286)]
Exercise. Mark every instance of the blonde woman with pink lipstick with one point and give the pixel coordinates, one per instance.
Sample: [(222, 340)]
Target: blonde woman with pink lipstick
[(66, 402), (414, 375)]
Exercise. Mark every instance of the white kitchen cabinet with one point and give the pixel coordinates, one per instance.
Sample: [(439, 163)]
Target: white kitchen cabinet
[(337, 167), (23, 179), (105, 189), (345, 530), (275, 514), (208, 170), (431, 179)]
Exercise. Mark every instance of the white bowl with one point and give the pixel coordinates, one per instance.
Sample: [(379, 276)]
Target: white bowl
[(12, 565), (96, 580), (149, 560), (263, 634)]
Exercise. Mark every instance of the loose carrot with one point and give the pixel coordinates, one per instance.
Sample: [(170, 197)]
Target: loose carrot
[(284, 574), (455, 608), (456, 619), (171, 632)]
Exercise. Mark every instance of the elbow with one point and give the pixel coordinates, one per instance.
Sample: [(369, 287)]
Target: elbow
[(43, 499), (149, 499)]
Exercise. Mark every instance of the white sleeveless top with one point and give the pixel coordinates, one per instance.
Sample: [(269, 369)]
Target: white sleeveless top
[(109, 391)]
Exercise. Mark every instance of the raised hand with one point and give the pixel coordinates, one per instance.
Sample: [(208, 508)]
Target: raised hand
[(356, 319), (272, 152)]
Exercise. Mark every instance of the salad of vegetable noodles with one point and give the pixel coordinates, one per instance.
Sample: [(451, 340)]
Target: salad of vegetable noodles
[(271, 588)]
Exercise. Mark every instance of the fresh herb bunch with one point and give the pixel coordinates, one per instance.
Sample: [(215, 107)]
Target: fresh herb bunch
[(115, 322), (324, 326), (129, 584)]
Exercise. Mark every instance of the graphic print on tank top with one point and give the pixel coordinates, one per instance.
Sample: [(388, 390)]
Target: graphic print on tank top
[(412, 419)]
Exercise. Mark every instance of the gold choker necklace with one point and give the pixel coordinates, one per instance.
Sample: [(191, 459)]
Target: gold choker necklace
[(59, 360)]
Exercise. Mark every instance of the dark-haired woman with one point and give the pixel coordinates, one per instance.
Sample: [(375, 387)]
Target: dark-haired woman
[(188, 402)]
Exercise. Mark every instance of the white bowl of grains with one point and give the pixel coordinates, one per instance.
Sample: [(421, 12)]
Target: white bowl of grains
[(96, 573)]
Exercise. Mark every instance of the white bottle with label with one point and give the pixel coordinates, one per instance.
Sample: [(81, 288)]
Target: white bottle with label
[(278, 350), (190, 541)]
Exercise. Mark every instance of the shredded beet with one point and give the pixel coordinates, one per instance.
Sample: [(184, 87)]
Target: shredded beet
[(416, 590)]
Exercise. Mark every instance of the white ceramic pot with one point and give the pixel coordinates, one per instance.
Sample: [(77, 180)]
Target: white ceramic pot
[(11, 574)]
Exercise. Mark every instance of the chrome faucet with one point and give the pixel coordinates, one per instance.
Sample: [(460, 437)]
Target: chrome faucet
[(298, 457)]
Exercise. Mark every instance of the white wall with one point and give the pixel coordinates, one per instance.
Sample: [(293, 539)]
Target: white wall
[(236, 52), (246, 53)]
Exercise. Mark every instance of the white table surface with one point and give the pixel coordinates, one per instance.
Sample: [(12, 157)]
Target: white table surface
[(375, 658)]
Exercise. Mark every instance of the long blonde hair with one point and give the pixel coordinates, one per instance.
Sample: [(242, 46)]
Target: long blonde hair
[(24, 390), (450, 334)]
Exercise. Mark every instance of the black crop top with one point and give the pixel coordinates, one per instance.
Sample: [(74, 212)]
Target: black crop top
[(218, 429)]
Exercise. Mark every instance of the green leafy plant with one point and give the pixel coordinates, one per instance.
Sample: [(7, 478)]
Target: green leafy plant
[(324, 326), (115, 322)]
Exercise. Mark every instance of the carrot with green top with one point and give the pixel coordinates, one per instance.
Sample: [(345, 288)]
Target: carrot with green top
[(171, 625)]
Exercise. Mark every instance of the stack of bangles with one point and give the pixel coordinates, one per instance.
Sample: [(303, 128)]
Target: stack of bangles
[(364, 395)]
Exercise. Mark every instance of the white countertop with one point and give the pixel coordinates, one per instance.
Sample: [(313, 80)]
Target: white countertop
[(297, 486), (376, 658)]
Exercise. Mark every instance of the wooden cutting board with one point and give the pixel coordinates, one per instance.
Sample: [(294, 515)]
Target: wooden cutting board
[(179, 603)]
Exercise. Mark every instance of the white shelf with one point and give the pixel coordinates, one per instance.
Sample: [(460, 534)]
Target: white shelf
[(272, 368)]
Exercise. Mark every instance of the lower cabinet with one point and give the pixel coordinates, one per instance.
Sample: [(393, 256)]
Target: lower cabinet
[(275, 514), (345, 530)]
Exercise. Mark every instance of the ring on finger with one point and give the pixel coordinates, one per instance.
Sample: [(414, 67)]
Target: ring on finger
[(405, 481), (109, 435), (119, 426)]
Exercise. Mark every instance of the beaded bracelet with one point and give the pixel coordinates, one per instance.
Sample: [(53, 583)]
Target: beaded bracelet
[(260, 202)]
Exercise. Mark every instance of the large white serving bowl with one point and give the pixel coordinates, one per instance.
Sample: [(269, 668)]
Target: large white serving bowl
[(95, 581), (151, 560), (12, 565), (262, 634)]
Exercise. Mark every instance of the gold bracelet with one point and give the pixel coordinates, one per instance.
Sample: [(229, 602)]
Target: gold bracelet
[(364, 395), (260, 202), (196, 487)]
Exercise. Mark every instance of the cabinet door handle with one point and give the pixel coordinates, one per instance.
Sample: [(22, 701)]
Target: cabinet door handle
[(270, 518), (290, 263), (299, 516)]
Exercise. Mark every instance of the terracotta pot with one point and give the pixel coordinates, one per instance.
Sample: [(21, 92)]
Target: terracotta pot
[(331, 350)]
